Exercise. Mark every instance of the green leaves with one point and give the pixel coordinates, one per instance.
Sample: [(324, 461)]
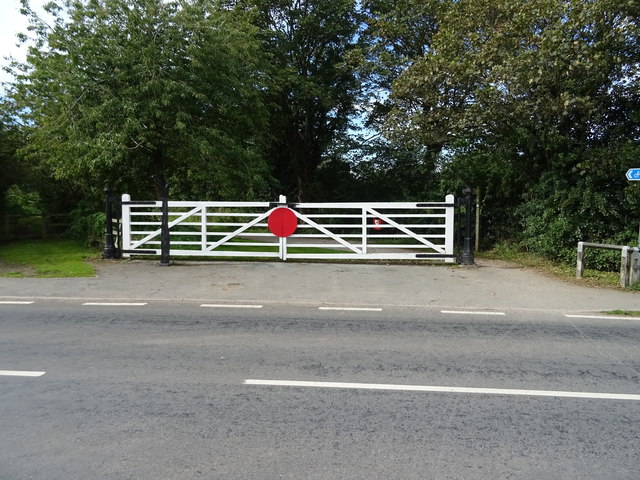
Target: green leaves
[(311, 86), (124, 91), (517, 93)]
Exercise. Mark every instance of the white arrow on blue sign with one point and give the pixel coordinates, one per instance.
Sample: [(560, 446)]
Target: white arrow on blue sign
[(633, 174)]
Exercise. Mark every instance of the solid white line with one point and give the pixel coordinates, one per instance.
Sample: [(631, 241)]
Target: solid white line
[(603, 317), (17, 373), (469, 312), (212, 305), (11, 302), (114, 304), (352, 309), (440, 389)]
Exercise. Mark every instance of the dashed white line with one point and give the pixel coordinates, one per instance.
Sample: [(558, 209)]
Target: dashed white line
[(603, 317), (352, 309), (442, 389), (114, 304), (18, 373), (12, 302), (222, 305), (469, 312)]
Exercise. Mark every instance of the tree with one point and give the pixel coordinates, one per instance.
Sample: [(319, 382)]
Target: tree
[(537, 103), (312, 86), (396, 35), (125, 91), (9, 164)]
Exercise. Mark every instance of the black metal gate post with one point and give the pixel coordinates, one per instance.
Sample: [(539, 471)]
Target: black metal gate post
[(109, 251), (467, 253), (165, 236)]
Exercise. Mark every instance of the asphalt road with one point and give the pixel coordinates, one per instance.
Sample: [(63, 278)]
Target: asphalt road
[(164, 391)]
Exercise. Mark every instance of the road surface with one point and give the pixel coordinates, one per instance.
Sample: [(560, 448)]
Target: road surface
[(176, 390)]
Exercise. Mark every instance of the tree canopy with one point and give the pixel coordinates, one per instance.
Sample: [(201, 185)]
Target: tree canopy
[(312, 85), (536, 102), (126, 92)]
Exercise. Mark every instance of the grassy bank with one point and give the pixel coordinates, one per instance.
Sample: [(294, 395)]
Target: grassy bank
[(46, 259)]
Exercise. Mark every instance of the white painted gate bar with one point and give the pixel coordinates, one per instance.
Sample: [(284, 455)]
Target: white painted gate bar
[(372, 230)]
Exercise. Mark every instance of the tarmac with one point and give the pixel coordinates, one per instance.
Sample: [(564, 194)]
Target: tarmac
[(488, 285)]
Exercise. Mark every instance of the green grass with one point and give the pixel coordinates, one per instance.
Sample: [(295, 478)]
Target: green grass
[(46, 259), (624, 313)]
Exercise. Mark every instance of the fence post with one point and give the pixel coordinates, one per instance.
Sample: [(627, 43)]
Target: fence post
[(624, 267), (109, 251), (165, 239), (580, 260), (126, 225), (365, 225), (450, 226), (467, 253), (634, 270)]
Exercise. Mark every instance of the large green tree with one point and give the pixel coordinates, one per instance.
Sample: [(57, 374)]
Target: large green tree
[(391, 165), (312, 86), (537, 102), (143, 92)]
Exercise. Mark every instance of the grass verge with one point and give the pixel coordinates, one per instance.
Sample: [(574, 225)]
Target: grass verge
[(46, 259), (624, 313), (563, 271)]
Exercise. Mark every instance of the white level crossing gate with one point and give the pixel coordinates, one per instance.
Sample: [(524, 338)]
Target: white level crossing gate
[(377, 230)]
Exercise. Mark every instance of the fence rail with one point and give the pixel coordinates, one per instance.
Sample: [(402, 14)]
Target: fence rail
[(629, 261), (44, 225), (374, 230)]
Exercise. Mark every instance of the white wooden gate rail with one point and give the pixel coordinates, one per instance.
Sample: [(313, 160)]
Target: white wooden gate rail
[(377, 230)]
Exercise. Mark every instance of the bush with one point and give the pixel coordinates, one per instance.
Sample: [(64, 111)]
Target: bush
[(559, 212), (19, 202), (87, 228)]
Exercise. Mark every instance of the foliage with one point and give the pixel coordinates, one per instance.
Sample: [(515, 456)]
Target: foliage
[(87, 228), (312, 86), (9, 164), (18, 202), (537, 103), (123, 92), (396, 171)]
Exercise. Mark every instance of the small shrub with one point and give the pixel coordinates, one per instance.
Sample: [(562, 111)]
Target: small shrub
[(87, 228)]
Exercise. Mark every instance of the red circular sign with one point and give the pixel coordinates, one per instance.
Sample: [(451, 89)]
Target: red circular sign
[(282, 222)]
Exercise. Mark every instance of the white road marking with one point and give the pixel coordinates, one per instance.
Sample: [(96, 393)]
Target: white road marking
[(11, 302), (17, 373), (114, 304), (352, 309), (469, 312), (441, 389), (213, 305), (603, 317)]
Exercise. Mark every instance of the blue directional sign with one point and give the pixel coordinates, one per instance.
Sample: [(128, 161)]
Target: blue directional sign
[(633, 174)]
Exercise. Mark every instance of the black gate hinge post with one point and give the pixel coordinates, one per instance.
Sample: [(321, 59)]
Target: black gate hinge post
[(165, 236), (109, 251)]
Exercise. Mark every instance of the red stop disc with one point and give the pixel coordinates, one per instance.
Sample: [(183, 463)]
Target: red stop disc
[(282, 222)]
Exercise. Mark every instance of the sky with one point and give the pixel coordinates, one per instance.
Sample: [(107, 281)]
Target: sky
[(12, 23)]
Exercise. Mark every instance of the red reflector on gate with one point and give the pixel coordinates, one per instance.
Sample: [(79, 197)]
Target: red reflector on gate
[(282, 222)]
